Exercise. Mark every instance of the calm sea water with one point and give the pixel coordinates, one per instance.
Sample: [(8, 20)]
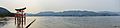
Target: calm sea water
[(71, 22)]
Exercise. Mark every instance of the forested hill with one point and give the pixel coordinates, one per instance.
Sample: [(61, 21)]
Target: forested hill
[(4, 12)]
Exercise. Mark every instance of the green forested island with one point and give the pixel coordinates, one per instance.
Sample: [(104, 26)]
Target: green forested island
[(5, 13)]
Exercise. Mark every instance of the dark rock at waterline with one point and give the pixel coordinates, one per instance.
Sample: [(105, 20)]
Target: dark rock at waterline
[(2, 24)]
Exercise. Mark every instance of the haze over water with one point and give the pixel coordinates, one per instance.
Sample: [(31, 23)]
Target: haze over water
[(71, 22)]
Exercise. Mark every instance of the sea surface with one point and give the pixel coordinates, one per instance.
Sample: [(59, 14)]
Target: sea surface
[(69, 22)]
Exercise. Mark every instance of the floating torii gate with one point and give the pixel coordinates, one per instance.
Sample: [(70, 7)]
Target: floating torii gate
[(20, 17)]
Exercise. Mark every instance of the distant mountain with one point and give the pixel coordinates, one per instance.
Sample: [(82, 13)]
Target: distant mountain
[(118, 13), (30, 14), (5, 12), (107, 13), (77, 13)]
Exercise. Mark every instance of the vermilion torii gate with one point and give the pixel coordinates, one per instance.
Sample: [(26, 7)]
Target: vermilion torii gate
[(20, 18)]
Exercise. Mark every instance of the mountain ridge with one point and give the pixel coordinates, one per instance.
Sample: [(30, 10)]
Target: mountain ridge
[(76, 13)]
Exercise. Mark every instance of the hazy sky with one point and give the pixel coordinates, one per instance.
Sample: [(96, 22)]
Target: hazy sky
[(35, 6)]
